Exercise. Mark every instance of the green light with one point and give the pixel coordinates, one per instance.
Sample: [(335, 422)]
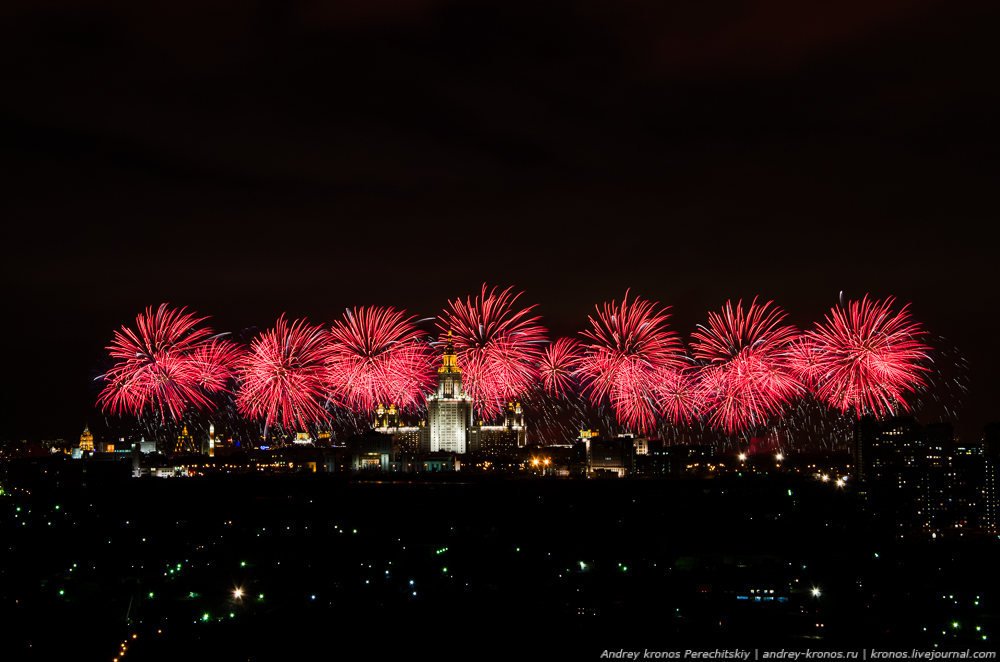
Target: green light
[(150, 595), (445, 569), (243, 564), (205, 617), (954, 625), (261, 596), (62, 592), (171, 571), (57, 507)]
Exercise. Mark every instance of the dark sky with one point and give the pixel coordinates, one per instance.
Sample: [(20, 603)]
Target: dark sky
[(246, 159)]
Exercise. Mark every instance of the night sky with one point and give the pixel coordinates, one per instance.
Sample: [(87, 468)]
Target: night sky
[(249, 159)]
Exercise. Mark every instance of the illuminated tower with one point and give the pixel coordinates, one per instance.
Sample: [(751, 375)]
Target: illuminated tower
[(86, 439), (449, 409), (211, 439), (185, 443)]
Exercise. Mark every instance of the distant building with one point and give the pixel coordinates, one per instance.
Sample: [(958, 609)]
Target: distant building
[(610, 456), (185, 443), (405, 438), (449, 409), (211, 441), (86, 440), (500, 440), (370, 451), (919, 480), (991, 468)]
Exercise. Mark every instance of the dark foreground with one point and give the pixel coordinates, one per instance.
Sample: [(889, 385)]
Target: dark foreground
[(331, 566)]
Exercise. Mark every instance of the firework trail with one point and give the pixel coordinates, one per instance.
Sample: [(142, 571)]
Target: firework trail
[(498, 349), (558, 365), (165, 365), (747, 377), (285, 376), (377, 356), (869, 357), (629, 352)]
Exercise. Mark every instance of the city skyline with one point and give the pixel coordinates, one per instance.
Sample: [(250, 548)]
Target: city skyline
[(684, 388)]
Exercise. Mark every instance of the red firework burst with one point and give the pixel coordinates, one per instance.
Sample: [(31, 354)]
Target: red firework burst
[(160, 366), (679, 395), (285, 375), (216, 363), (869, 357), (558, 365), (748, 377), (378, 357), (498, 349), (630, 351), (804, 356)]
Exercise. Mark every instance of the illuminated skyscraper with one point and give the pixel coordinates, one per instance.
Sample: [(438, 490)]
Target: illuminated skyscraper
[(211, 439), (449, 409), (86, 439)]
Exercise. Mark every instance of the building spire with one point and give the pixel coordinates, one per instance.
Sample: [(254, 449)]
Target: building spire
[(449, 361)]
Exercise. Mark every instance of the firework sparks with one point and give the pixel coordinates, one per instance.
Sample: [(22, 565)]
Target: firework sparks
[(162, 365), (285, 376), (748, 377), (498, 349), (629, 351), (679, 395), (216, 363), (804, 358), (558, 365), (869, 357), (376, 357)]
